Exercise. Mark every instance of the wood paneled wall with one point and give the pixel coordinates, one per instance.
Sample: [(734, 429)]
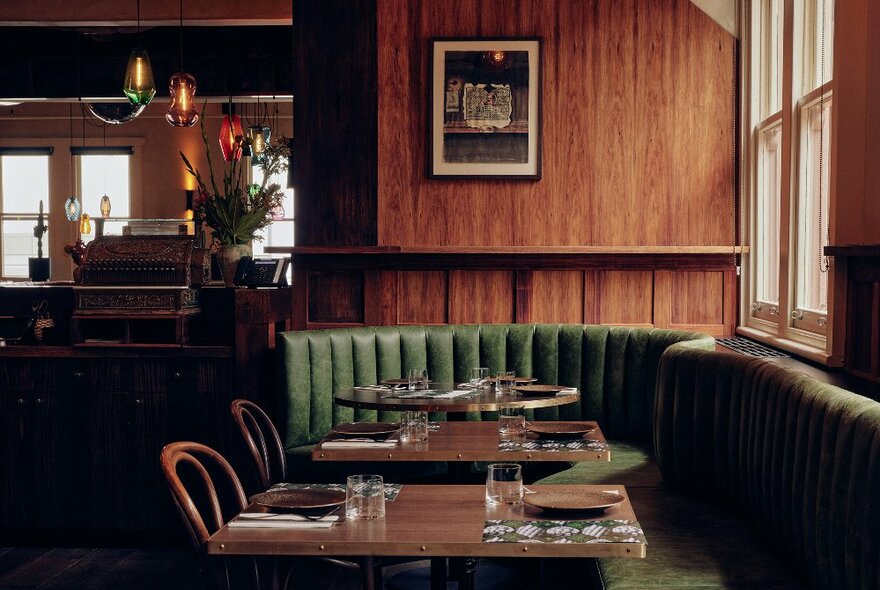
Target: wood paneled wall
[(637, 127), (335, 122), (694, 292)]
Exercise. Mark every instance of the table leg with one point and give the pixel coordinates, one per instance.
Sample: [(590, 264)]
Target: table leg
[(438, 573), (368, 581), (469, 568)]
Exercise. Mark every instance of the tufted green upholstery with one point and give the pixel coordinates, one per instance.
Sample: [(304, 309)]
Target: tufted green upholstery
[(615, 368), (795, 461)]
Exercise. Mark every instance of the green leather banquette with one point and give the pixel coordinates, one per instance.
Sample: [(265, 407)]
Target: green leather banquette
[(615, 369), (770, 479)]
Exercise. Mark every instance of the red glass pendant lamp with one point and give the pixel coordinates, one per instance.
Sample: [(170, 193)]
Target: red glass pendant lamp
[(231, 137)]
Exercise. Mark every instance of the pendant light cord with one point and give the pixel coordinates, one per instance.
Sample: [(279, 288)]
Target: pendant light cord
[(139, 16), (180, 31)]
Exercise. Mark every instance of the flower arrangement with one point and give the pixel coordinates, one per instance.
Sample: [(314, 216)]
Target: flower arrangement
[(236, 211)]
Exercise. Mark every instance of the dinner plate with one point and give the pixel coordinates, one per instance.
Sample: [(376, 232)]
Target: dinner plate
[(560, 428), (365, 428), (393, 382), (572, 500), (527, 390), (306, 499)]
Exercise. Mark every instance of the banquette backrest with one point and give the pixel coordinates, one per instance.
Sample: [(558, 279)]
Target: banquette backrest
[(614, 367), (799, 459)]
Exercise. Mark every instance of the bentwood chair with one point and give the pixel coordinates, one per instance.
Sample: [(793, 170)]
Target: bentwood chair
[(262, 441), (202, 510), (264, 445)]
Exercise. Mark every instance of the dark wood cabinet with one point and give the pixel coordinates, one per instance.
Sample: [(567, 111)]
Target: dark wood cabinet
[(81, 429)]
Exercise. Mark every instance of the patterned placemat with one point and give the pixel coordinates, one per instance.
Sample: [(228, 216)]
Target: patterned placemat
[(554, 445), (391, 489), (563, 531)]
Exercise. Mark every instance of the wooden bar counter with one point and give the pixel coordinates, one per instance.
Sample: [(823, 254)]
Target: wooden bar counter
[(81, 426)]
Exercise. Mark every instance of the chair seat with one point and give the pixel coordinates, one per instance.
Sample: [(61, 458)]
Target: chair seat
[(695, 545), (631, 465)]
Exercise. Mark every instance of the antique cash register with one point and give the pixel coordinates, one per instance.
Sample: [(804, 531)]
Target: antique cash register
[(139, 290)]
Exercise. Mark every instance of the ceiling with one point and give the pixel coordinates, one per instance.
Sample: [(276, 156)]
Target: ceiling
[(90, 62)]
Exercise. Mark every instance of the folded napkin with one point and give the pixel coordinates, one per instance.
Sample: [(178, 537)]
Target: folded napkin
[(264, 520), (569, 391), (359, 443), (453, 394), (374, 387)]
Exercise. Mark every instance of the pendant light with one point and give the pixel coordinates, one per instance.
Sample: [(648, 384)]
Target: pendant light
[(259, 133), (231, 136), (182, 111), (85, 225), (105, 207), (71, 205), (139, 86)]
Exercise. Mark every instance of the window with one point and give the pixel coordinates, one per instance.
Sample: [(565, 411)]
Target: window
[(105, 171), (279, 232), (790, 113), (25, 182)]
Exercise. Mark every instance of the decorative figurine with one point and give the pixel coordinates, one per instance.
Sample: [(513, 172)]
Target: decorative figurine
[(38, 267)]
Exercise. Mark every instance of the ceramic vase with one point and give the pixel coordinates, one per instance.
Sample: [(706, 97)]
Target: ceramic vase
[(228, 257)]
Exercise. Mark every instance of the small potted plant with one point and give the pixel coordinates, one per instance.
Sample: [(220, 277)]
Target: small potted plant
[(38, 268), (234, 210)]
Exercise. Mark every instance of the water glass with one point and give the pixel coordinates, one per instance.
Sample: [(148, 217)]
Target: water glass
[(364, 497), (417, 379), (504, 381), (413, 426), (504, 484), (511, 423), (480, 377)]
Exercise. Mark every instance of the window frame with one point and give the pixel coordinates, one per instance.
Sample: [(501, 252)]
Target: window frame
[(785, 326), (61, 231), (18, 151)]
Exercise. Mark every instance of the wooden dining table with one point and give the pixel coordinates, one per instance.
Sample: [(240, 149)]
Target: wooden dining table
[(479, 400), (451, 521), (476, 441)]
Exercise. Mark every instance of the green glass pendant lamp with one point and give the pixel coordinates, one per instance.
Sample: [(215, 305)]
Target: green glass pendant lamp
[(139, 86)]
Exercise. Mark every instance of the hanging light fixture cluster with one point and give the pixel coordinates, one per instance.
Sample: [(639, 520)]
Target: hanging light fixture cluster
[(182, 111), (139, 86)]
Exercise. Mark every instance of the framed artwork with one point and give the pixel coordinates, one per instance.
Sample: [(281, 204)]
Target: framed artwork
[(485, 108)]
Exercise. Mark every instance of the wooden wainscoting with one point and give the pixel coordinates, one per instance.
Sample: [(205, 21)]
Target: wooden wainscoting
[(383, 286)]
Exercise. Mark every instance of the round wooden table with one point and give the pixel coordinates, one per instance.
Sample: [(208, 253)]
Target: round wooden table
[(485, 401)]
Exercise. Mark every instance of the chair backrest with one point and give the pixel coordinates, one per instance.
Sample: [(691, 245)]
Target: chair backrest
[(206, 463), (262, 441), (799, 459), (614, 367)]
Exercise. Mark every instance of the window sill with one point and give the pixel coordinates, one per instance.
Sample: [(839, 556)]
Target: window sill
[(811, 353)]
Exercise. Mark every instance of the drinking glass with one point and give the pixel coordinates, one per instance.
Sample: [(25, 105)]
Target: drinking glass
[(504, 381), (417, 379), (511, 423), (480, 377), (504, 484), (413, 426), (364, 497)]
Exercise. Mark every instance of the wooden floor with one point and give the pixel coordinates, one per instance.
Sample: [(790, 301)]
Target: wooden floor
[(135, 569)]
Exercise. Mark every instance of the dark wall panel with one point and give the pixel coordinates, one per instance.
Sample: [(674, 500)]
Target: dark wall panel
[(335, 122)]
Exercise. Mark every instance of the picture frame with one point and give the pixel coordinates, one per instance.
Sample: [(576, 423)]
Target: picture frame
[(485, 108)]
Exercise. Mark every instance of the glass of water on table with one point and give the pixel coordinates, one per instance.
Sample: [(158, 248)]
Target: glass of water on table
[(504, 484)]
